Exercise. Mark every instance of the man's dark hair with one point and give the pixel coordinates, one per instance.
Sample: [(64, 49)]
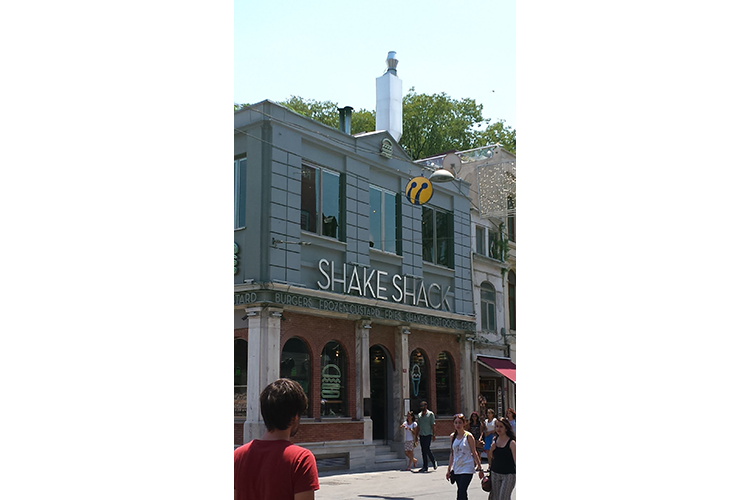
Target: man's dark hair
[(280, 402)]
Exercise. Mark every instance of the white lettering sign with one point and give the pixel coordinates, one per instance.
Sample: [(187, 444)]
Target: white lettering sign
[(372, 284)]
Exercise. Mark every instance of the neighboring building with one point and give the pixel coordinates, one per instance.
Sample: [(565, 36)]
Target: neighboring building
[(345, 285), (493, 259)]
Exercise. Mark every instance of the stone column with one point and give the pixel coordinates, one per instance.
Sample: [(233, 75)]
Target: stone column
[(362, 374), (402, 379), (468, 378), (263, 363)]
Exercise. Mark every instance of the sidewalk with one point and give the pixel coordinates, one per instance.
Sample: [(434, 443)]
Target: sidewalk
[(395, 485)]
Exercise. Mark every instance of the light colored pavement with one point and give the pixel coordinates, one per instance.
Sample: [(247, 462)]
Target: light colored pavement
[(394, 485)]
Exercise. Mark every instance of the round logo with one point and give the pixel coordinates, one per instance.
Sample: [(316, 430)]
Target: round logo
[(419, 190)]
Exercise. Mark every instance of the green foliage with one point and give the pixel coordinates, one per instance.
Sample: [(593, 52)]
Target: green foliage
[(500, 133), (436, 123), (433, 124)]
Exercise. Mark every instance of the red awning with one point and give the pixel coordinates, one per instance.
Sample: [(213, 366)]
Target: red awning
[(504, 367)]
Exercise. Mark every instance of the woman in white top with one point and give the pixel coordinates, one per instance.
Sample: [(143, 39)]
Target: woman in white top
[(410, 436), (489, 434), (464, 460)]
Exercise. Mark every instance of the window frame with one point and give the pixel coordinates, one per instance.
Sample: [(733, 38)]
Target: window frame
[(424, 379), (480, 248), (486, 306), (238, 341), (343, 388), (297, 378), (384, 221), (436, 237), (240, 192), (451, 398), (319, 184)]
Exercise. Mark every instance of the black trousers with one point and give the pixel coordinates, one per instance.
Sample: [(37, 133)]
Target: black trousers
[(425, 442), (462, 483)]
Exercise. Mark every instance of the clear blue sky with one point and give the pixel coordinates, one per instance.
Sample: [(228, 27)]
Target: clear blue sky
[(333, 50)]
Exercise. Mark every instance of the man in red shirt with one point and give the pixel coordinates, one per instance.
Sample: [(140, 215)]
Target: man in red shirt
[(271, 467)]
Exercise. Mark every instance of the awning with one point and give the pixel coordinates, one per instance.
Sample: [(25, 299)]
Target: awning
[(504, 367)]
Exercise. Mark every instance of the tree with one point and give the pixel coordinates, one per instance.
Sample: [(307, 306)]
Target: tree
[(433, 124), (500, 133), (436, 123), (327, 113)]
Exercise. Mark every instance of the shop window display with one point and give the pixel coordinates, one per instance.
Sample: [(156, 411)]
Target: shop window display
[(295, 364), (444, 384), (333, 401), (240, 378), (418, 378)]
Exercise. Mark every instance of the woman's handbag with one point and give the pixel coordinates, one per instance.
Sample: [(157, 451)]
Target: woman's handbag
[(487, 483)]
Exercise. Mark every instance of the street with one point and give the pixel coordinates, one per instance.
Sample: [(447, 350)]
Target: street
[(394, 485)]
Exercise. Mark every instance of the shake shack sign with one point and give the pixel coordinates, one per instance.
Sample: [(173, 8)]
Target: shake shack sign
[(291, 299), (372, 283)]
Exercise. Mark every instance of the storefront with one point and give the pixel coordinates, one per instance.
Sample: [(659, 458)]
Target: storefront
[(348, 283), (497, 384)]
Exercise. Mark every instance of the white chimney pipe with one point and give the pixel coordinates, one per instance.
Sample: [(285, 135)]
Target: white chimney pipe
[(389, 93)]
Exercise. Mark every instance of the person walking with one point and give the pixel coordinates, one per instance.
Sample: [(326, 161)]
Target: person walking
[(489, 435), (464, 460), (510, 414), (410, 435), (476, 427), (503, 471), (426, 423), (271, 467)]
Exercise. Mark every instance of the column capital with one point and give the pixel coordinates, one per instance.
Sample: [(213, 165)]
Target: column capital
[(365, 324)]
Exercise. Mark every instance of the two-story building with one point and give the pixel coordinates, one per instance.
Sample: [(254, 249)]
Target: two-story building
[(353, 276)]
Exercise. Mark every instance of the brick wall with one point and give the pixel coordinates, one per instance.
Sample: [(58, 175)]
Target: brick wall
[(316, 332), (432, 344), (238, 427), (385, 336), (314, 432)]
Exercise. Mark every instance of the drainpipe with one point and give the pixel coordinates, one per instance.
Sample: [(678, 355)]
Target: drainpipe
[(345, 119)]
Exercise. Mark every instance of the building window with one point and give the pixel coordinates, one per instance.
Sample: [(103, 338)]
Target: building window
[(295, 365), (444, 384), (333, 381), (511, 220), (495, 245), (320, 205), (480, 232), (512, 300), (487, 293), (418, 378), (240, 186), (240, 378), (383, 221), (437, 236)]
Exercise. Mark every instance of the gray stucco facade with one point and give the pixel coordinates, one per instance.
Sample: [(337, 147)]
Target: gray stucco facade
[(275, 142), (306, 280)]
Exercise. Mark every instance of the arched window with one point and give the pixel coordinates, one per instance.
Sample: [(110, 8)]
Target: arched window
[(240, 378), (487, 293), (295, 365), (333, 381), (418, 378), (512, 300), (444, 384)]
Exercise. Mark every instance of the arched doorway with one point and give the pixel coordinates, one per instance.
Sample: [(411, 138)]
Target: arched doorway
[(381, 376)]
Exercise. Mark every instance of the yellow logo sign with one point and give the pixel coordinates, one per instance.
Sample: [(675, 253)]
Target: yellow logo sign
[(419, 190)]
